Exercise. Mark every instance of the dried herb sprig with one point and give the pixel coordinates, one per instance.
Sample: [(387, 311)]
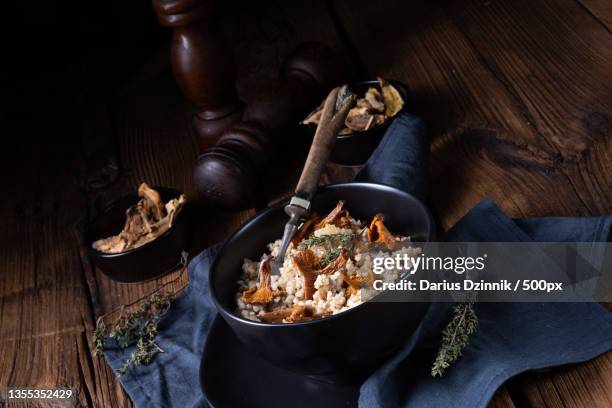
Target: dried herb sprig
[(138, 325), (312, 241), (455, 336), (333, 245)]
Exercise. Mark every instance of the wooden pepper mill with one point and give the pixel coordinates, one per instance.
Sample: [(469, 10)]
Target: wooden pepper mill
[(202, 65), (227, 174)]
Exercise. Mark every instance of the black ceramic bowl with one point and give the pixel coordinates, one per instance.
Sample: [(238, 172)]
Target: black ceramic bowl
[(149, 261), (340, 348), (355, 148)]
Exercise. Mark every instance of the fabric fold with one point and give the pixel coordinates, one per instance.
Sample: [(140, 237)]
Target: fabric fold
[(511, 337)]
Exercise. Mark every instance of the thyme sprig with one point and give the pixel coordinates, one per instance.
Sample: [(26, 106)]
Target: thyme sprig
[(333, 245), (138, 325), (455, 336)]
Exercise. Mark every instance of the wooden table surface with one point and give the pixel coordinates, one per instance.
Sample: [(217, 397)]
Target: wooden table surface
[(518, 94)]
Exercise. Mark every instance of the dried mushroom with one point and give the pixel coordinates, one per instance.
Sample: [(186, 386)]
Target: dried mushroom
[(153, 200), (339, 217), (393, 99), (378, 232), (262, 294), (145, 221), (376, 107), (368, 112), (314, 117), (361, 119), (375, 100)]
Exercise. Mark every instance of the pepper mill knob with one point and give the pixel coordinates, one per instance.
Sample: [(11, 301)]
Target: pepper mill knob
[(202, 65), (227, 174)]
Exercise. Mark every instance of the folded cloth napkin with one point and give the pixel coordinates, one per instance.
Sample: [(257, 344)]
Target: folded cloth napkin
[(511, 337)]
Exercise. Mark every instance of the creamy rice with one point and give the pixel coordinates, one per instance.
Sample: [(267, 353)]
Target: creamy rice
[(332, 293)]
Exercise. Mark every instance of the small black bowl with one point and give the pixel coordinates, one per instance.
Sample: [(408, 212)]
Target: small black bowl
[(149, 261), (356, 147), (342, 348)]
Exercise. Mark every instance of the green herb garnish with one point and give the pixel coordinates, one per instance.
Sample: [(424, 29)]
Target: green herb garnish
[(455, 336), (333, 245), (139, 325)]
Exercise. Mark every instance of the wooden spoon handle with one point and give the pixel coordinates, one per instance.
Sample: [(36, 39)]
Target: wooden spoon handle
[(322, 144)]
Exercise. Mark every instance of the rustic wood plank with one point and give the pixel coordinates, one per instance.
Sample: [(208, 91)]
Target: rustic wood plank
[(601, 10), (477, 81), (586, 385), (557, 65), (502, 399), (482, 143), (43, 302)]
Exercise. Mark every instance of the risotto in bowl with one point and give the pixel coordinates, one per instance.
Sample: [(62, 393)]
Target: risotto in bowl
[(314, 317), (328, 269)]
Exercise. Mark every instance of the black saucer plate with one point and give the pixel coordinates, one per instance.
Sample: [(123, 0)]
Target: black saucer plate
[(231, 376)]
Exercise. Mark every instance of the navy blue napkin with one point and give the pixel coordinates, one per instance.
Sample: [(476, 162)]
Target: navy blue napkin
[(511, 337), (172, 377)]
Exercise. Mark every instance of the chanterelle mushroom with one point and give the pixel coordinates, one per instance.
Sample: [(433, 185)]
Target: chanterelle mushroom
[(306, 262), (339, 217), (290, 315), (263, 294), (393, 99), (336, 264), (356, 282), (305, 229), (378, 232)]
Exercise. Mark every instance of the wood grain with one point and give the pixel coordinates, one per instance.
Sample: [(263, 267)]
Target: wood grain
[(44, 308), (554, 89), (484, 144), (600, 10), (577, 385), (517, 96), (502, 399)]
